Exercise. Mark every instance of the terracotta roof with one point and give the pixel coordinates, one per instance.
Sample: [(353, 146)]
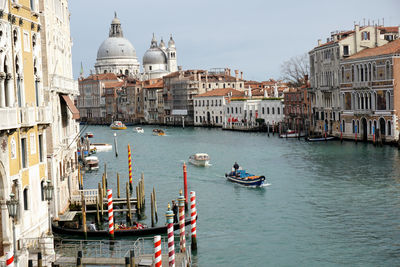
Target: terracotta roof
[(156, 83), (389, 48), (113, 84), (173, 74), (103, 76), (389, 29), (221, 92)]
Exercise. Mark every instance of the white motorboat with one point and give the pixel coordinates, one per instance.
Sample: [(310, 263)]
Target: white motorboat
[(200, 159), (292, 134), (92, 163), (101, 147), (139, 130)]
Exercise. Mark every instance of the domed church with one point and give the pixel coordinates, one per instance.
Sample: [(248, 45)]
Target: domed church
[(117, 55)]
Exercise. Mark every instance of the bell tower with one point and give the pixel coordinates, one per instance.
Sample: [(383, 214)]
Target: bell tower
[(115, 29), (171, 53)]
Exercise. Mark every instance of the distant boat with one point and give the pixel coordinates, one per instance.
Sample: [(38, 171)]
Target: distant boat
[(101, 147), (89, 134), (291, 134), (319, 139), (244, 178), (117, 125), (158, 132), (92, 163), (200, 159), (139, 130)]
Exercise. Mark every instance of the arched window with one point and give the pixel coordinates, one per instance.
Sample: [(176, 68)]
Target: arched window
[(352, 73), (15, 36), (388, 71), (354, 128), (374, 72), (26, 199), (342, 74)]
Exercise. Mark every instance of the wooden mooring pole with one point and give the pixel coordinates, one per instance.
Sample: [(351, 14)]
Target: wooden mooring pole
[(118, 185), (128, 204), (101, 199), (155, 204), (83, 206), (152, 209)]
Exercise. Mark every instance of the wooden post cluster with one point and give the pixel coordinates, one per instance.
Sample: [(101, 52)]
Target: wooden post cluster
[(83, 204), (140, 195), (154, 216)]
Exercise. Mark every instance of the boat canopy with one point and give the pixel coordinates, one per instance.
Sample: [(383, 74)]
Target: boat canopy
[(201, 156)]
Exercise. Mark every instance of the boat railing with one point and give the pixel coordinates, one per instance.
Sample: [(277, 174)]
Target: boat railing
[(90, 196)]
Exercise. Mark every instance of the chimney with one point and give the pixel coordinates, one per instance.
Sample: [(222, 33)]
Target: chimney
[(195, 75), (179, 68), (241, 73), (237, 75), (319, 42), (206, 76)]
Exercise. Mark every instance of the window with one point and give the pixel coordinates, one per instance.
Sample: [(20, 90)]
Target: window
[(42, 190), (227, 110), (343, 126), (208, 103), (279, 111), (345, 50), (273, 110), (220, 102), (26, 199), (236, 110), (387, 71), (389, 128), (24, 157), (262, 110), (267, 110)]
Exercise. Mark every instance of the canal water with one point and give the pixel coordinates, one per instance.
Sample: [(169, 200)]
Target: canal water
[(327, 204)]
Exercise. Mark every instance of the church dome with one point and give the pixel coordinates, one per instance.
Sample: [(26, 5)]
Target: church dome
[(116, 47), (154, 56)]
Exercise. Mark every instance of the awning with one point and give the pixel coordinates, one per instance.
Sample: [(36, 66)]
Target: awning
[(71, 106)]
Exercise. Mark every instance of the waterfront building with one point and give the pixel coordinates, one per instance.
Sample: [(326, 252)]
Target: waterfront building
[(133, 89), (151, 93), (325, 72), (114, 99), (297, 109), (116, 54), (60, 91), (91, 100), (26, 113), (370, 93), (180, 87), (209, 106)]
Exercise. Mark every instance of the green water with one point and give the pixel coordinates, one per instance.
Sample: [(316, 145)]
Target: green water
[(328, 204)]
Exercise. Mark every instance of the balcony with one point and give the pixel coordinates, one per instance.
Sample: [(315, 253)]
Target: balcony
[(64, 85), (44, 115), (28, 116), (9, 118), (367, 112)]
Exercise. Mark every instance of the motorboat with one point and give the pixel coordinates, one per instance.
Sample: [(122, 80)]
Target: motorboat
[(101, 147), (139, 130), (158, 132), (291, 134), (118, 125), (92, 163), (244, 178), (89, 134), (319, 139), (200, 159)]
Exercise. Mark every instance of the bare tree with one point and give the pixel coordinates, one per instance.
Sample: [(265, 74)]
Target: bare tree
[(294, 70)]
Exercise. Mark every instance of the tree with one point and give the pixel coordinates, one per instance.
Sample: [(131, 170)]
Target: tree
[(294, 70)]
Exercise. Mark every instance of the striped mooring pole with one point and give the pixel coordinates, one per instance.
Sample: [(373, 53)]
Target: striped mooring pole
[(185, 184), (193, 215), (130, 167), (9, 259), (110, 214), (157, 251), (170, 230), (181, 205)]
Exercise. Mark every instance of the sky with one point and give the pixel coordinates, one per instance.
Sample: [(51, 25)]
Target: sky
[(253, 36)]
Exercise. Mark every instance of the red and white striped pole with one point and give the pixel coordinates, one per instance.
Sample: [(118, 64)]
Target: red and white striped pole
[(170, 230), (110, 213), (157, 251), (193, 215), (9, 259), (181, 204), (130, 167)]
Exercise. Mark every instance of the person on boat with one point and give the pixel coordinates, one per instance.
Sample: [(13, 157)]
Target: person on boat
[(236, 167), (175, 211), (92, 226)]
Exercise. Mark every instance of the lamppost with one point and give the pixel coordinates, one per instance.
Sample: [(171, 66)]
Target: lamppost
[(48, 193), (12, 206)]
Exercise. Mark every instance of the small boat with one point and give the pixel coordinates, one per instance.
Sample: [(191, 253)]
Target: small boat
[(92, 163), (291, 134), (200, 159), (117, 125), (158, 132), (319, 139), (89, 135), (139, 130), (244, 178), (101, 147), (131, 231)]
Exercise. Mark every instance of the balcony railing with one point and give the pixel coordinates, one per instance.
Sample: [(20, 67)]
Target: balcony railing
[(44, 115), (64, 85), (28, 116), (9, 118)]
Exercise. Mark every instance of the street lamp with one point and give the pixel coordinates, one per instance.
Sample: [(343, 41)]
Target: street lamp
[(48, 193), (12, 206)]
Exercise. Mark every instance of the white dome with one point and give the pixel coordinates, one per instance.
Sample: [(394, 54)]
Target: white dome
[(154, 56), (116, 47)]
